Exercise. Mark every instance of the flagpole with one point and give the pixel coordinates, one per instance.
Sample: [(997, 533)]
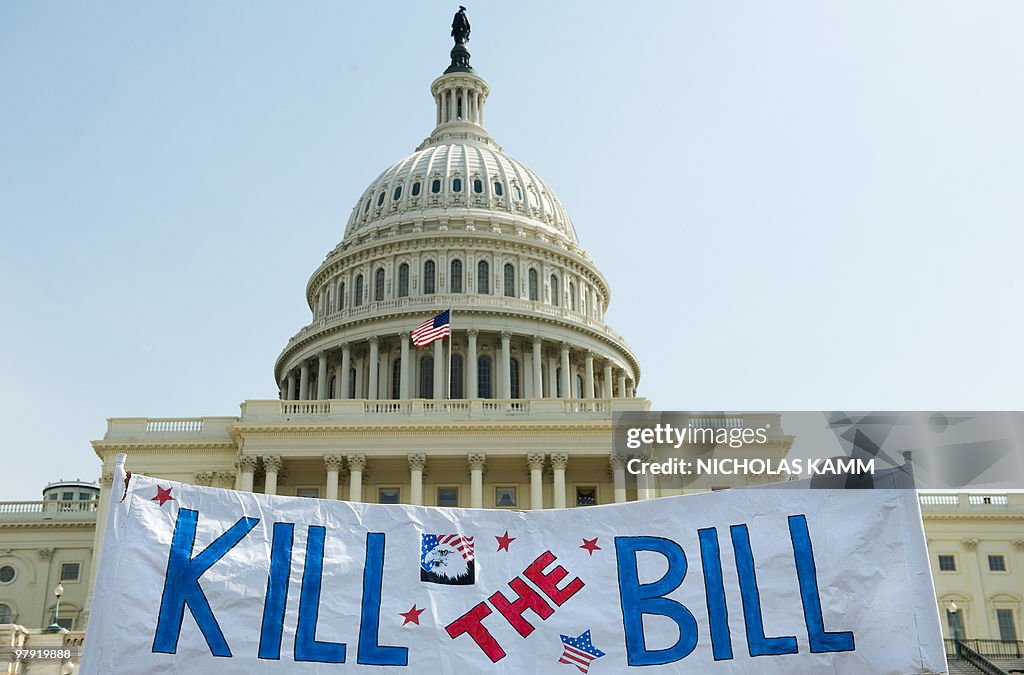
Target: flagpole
[(451, 335)]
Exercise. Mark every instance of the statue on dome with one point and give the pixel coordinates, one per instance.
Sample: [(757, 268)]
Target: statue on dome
[(460, 26)]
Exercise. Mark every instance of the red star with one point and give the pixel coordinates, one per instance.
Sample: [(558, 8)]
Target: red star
[(163, 495), (590, 545), (504, 541), (412, 616)]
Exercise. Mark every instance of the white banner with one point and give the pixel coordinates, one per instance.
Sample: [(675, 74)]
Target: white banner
[(201, 580)]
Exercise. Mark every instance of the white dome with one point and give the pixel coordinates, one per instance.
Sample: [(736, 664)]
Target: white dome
[(460, 178)]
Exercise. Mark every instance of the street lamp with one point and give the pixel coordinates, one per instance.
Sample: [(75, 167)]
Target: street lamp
[(57, 592)]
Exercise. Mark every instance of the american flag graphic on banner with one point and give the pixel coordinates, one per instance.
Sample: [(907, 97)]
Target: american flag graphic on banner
[(447, 559), (579, 651), (437, 328)]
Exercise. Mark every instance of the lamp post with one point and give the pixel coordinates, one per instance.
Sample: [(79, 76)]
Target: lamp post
[(57, 592)]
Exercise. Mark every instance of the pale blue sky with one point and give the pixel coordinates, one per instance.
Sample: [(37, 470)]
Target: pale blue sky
[(798, 205)]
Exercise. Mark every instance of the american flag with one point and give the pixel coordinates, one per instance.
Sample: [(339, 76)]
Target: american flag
[(579, 651), (463, 545), (437, 328)]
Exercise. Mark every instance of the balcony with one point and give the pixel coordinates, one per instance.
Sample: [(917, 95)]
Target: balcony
[(972, 503), (76, 510)]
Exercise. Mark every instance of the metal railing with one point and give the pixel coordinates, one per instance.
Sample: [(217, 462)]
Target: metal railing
[(993, 649), (48, 506)]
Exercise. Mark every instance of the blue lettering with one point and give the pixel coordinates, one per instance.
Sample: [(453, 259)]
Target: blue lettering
[(714, 591), (757, 643), (277, 591), (307, 648), (820, 640), (371, 653)]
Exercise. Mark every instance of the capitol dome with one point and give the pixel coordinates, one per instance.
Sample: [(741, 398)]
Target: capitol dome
[(458, 225)]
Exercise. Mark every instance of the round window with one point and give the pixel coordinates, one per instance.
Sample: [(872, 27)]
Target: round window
[(7, 574)]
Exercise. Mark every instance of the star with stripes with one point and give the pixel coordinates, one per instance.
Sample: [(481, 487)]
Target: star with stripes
[(163, 495), (504, 541), (590, 545), (579, 651)]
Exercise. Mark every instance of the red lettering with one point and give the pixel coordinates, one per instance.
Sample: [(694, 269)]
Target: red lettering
[(549, 582), (513, 611), (472, 622)]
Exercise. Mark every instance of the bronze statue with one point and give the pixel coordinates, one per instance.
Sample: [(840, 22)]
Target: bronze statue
[(460, 26)]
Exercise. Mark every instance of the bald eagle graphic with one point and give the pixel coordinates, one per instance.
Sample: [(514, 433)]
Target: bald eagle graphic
[(447, 559)]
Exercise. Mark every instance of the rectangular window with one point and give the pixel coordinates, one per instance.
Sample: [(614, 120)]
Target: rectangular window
[(1007, 627), (66, 622), (70, 571), (448, 496), (505, 497), (996, 563), (67, 496), (947, 563), (389, 495), (309, 493), (586, 496)]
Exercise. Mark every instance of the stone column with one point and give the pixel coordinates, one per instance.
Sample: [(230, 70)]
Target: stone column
[(304, 381), (403, 381), (417, 464), (472, 390), (374, 383), (622, 384), (338, 377), (291, 395), (476, 479), (559, 461), (618, 463), (439, 370), (333, 464), (588, 374), (271, 464), (356, 465), (321, 377), (247, 466), (566, 389), (606, 381), (538, 372), (346, 370), (552, 375), (506, 364), (535, 461), (630, 391)]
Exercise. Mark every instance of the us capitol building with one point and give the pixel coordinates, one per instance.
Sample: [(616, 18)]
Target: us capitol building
[(513, 411)]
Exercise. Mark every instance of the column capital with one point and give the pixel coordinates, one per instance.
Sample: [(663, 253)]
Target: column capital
[(304, 365), (617, 462), (589, 355), (322, 355), (248, 463), (373, 339), (536, 339), (506, 335), (107, 479), (1018, 544), (203, 478), (417, 461), (404, 335), (272, 463), (565, 347), (333, 462), (356, 461), (46, 553), (346, 347), (970, 543), (559, 460), (473, 332), (535, 460), (477, 461)]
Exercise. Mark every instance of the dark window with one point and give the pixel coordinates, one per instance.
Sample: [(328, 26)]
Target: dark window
[(483, 277), (416, 189), (514, 377), (357, 298), (68, 496), (341, 296), (398, 193), (388, 495), (572, 296), (947, 563), (505, 496), (352, 383), (448, 496), (396, 378), (554, 290), (380, 198), (499, 189), (955, 621), (579, 387), (455, 283), (6, 614), (1007, 629), (483, 377), (429, 277), (478, 185), (457, 185), (366, 208), (435, 186), (427, 377), (7, 574), (332, 388), (586, 496), (66, 622), (510, 280), (70, 571), (403, 280), (456, 383), (378, 285), (84, 496), (533, 283), (558, 382), (307, 493), (996, 563)]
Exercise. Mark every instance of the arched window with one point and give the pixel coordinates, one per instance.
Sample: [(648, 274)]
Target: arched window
[(478, 185), (378, 285), (483, 377), (572, 296), (380, 199), (455, 282), (554, 290), (366, 208), (510, 280), (533, 283), (429, 277), (6, 614), (514, 377), (558, 382), (499, 188), (357, 297), (517, 192), (456, 388), (341, 296), (427, 377), (483, 277), (416, 189), (352, 383), (398, 193), (457, 185), (403, 280), (579, 386), (435, 186), (396, 378)]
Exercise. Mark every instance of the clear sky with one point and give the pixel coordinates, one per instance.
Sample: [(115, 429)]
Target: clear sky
[(798, 205)]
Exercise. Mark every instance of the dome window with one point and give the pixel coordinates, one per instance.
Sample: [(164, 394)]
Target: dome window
[(416, 189), (533, 283), (427, 377), (378, 285), (510, 281), (429, 277), (517, 192), (499, 189), (554, 290), (457, 185), (398, 193), (455, 281), (380, 199), (357, 298), (435, 186), (403, 280), (483, 276), (366, 209), (483, 377), (478, 185)]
